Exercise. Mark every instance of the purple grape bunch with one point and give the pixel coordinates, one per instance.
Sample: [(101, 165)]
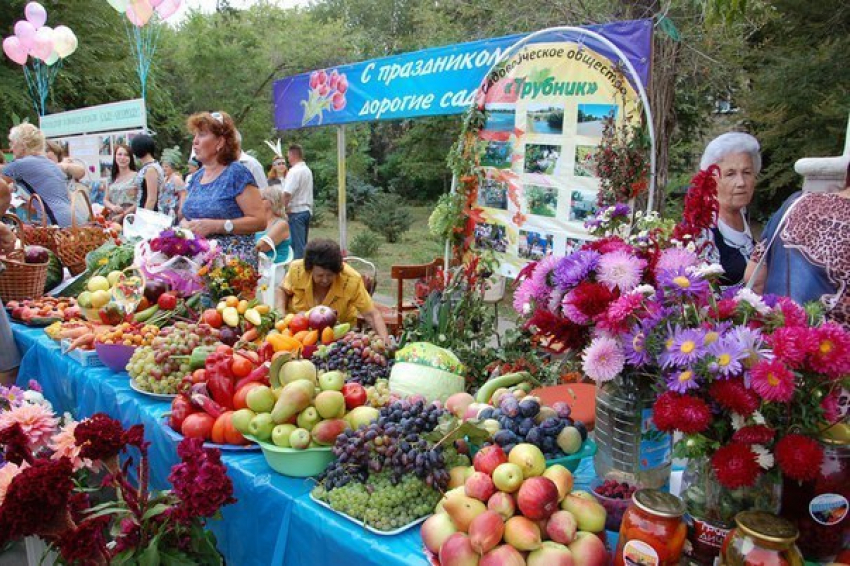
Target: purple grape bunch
[(363, 357)]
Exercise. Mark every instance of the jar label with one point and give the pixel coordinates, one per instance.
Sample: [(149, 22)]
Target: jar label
[(828, 508), (638, 553), (704, 541), (656, 447)]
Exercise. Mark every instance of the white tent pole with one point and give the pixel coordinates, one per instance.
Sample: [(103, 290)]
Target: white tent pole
[(341, 196), (447, 255)]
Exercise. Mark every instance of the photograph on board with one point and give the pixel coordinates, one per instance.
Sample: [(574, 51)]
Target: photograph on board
[(535, 245), (584, 161), (497, 154), (105, 145), (500, 117), (540, 158), (542, 201), (590, 118), (493, 193), (491, 237), (545, 118), (582, 205)]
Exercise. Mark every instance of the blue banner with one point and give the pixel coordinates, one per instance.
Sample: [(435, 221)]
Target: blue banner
[(431, 82)]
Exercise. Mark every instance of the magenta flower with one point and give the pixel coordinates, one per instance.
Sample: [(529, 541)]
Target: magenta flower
[(675, 258), (603, 359), (621, 270), (773, 381)]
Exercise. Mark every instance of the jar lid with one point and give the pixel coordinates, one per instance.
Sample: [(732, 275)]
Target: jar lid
[(767, 527), (659, 503)]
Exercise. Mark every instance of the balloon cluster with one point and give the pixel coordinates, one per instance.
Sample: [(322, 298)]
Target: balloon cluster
[(33, 38), (140, 12)]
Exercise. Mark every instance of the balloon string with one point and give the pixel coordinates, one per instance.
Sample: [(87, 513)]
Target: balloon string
[(143, 43), (31, 88)]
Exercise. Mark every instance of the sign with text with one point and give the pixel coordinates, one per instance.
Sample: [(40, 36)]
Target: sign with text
[(124, 115), (430, 82), (546, 109)]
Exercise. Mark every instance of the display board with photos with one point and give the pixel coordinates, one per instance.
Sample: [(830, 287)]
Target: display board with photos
[(544, 121)]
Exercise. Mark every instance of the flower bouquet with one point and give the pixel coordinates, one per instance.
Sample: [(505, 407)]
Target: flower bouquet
[(46, 490), (174, 257), (226, 275)]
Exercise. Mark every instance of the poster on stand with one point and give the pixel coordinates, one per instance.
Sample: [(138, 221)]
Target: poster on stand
[(545, 109)]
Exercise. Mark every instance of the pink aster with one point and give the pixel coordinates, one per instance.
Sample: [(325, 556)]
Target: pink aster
[(620, 270), (603, 359), (792, 313), (773, 381), (791, 344), (37, 422), (675, 258), (64, 445), (616, 317), (7, 474)]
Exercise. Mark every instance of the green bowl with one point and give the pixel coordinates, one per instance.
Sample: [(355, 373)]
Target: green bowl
[(570, 462), (295, 463)]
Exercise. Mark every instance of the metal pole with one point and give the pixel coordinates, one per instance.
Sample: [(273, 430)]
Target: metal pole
[(340, 160), (447, 255)]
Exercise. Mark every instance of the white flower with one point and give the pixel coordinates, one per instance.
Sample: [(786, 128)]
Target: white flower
[(691, 247), (526, 309), (36, 398), (749, 297), (763, 456), (644, 289), (738, 421), (639, 214), (707, 270), (758, 418)]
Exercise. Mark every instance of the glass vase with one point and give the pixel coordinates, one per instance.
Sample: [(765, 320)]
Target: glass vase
[(631, 449), (712, 507)]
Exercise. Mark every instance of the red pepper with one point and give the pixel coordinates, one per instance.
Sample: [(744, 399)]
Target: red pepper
[(209, 406), (266, 351), (220, 380), (181, 408), (260, 375)]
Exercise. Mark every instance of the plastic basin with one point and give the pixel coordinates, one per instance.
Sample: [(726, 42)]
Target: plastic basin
[(295, 463), (581, 397), (114, 356)]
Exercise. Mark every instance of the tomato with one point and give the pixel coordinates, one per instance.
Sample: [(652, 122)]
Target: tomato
[(167, 301), (223, 431), (298, 323), (199, 376), (181, 408), (198, 425), (223, 349), (241, 366), (213, 318), (239, 398)]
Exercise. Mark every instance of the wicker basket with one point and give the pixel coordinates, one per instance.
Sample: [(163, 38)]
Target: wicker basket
[(43, 235), (21, 280), (72, 244)]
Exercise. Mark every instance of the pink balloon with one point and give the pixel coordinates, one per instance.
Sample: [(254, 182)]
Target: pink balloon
[(36, 14), (155, 3), (43, 47), (14, 50), (25, 32), (167, 8), (139, 12)]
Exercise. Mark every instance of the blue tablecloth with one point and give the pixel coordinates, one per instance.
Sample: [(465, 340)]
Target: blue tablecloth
[(273, 522)]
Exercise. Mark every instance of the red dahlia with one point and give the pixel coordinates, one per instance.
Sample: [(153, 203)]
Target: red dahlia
[(725, 309), (799, 457), (735, 465), (733, 395), (608, 244), (591, 299), (754, 434)]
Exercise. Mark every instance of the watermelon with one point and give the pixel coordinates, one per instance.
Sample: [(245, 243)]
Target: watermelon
[(54, 272)]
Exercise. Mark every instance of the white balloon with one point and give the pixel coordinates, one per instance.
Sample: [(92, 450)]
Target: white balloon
[(119, 5), (52, 59), (64, 41)]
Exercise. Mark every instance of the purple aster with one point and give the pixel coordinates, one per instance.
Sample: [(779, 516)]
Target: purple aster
[(682, 283), (34, 385), (686, 348), (770, 299), (634, 347), (523, 296), (682, 380), (621, 270), (675, 258), (574, 268), (13, 395), (752, 343), (543, 277), (727, 353), (620, 209)]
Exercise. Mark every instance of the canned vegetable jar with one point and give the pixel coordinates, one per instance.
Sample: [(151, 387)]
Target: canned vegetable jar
[(652, 532), (761, 539)]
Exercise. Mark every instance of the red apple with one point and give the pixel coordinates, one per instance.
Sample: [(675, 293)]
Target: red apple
[(435, 530), (486, 531), (562, 527), (458, 402), (488, 458), (503, 504), (562, 477), (480, 486), (458, 551), (213, 318), (504, 555), (588, 550), (354, 394), (537, 498)]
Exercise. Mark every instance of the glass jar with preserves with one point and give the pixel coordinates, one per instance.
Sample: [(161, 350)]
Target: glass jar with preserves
[(819, 508), (761, 539), (652, 532)]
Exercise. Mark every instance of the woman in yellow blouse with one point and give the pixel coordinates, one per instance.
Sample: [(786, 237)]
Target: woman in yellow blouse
[(321, 278)]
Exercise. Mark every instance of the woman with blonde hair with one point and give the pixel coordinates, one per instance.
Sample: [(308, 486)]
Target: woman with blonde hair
[(276, 234)]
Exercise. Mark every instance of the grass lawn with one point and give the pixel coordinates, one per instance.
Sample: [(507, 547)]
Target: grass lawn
[(416, 245)]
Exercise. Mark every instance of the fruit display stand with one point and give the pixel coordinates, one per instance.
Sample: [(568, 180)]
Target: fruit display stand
[(274, 520)]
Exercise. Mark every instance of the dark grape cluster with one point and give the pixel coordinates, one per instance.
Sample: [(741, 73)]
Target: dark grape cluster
[(526, 421), (364, 357), (393, 444)]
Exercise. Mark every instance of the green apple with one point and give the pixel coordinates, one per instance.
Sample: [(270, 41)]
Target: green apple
[(299, 439), (242, 420), (261, 426), (84, 299), (330, 404), (332, 381), (281, 434), (308, 418), (261, 399), (113, 277), (98, 283)]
